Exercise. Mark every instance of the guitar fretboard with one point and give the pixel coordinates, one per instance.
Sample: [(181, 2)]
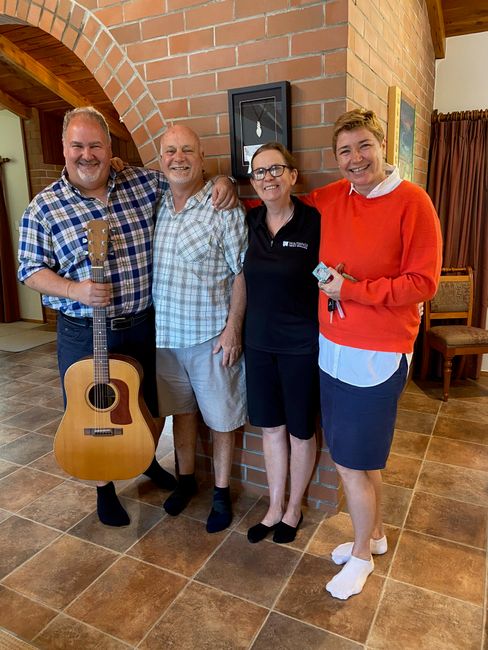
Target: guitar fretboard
[(100, 351)]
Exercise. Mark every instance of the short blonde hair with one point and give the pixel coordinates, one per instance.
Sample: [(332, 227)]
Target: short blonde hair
[(359, 118)]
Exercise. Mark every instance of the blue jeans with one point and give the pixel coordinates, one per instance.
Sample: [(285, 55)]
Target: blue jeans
[(75, 341)]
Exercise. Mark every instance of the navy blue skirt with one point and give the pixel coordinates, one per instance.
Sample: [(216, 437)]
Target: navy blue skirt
[(359, 422)]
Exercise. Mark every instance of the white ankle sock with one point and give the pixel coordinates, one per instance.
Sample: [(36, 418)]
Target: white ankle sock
[(350, 580), (342, 553)]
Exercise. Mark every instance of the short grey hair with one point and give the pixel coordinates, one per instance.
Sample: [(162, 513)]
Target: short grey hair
[(88, 112)]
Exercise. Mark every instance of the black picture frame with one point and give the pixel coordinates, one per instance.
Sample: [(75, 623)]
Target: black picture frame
[(257, 114)]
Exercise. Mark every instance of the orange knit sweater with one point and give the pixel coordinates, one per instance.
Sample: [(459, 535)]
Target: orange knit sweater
[(392, 246)]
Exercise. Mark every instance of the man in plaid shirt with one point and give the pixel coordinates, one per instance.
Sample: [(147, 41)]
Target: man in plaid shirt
[(53, 260), (199, 297)]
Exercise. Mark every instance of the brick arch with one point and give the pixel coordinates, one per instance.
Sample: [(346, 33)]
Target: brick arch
[(78, 29)]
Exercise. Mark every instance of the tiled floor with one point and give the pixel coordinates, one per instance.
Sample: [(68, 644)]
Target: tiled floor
[(66, 581)]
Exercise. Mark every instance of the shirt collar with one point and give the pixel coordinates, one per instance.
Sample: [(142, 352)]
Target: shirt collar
[(386, 186), (73, 188)]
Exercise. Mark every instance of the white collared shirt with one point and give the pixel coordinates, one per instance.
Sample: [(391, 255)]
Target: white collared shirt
[(352, 365)]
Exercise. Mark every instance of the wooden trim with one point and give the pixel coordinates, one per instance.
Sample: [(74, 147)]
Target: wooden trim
[(13, 105), (437, 30)]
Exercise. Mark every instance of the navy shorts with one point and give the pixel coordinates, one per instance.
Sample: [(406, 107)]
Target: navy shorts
[(283, 389), (359, 421)]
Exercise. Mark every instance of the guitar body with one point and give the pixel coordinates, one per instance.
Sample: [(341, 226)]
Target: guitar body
[(107, 432)]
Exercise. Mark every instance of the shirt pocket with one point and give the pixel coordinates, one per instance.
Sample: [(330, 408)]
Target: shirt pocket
[(194, 244)]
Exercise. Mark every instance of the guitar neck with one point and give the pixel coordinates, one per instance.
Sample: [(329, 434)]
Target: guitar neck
[(100, 347)]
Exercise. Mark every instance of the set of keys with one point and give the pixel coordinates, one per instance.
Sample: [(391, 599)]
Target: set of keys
[(322, 273)]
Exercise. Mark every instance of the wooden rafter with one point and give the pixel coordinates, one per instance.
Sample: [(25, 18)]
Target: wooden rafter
[(23, 61), (436, 19), (14, 106)]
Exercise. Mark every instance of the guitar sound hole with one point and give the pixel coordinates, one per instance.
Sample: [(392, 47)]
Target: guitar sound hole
[(101, 396)]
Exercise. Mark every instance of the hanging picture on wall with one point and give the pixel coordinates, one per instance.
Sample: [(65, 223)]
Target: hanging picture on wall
[(401, 132), (258, 114)]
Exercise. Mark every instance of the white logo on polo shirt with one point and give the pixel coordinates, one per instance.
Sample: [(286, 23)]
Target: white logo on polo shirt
[(295, 244)]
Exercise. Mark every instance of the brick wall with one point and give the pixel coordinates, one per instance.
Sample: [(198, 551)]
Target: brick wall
[(40, 173), (174, 60)]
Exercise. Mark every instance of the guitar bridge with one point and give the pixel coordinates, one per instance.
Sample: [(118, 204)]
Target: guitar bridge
[(103, 431)]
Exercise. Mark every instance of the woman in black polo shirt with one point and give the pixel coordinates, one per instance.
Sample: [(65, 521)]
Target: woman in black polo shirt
[(281, 336)]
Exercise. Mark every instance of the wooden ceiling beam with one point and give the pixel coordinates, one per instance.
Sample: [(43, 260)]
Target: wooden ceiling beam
[(14, 106), (436, 19), (27, 64)]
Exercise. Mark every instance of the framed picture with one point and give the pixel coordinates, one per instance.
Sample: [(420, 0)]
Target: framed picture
[(258, 114), (401, 132)]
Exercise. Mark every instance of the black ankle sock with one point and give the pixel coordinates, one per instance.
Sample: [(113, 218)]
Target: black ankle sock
[(160, 476), (220, 516), (109, 509), (181, 497)]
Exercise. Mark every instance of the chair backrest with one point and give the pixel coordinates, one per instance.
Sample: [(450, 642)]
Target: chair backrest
[(454, 297)]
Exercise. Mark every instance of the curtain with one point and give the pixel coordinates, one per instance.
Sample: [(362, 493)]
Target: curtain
[(458, 186), (9, 302)]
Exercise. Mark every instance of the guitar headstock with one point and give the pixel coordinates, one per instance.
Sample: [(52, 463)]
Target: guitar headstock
[(97, 241)]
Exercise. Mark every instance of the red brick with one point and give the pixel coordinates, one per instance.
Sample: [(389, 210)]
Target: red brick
[(203, 126), (160, 89), (127, 34), (148, 51), (308, 160), (294, 21), (306, 114), (149, 155), (210, 14), (329, 477), (182, 4), (320, 89), (321, 40), (337, 12), (322, 492), (111, 16), (218, 58), (255, 476), (216, 146), (244, 8), (174, 109), (208, 104), (274, 48), (136, 88), (240, 32), (138, 9), (191, 41), (296, 68), (248, 76), (170, 67), (34, 14), (194, 85), (167, 24), (146, 106)]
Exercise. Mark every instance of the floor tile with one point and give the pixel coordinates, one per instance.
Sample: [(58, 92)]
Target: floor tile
[(8, 409), (454, 482), (7, 468), (457, 452), (143, 489), (422, 620), (141, 593), (48, 463), (466, 410), (401, 470), (442, 517), (179, 544), (63, 506), (415, 421), (33, 418), (410, 444), (396, 500), (305, 598), (20, 540), (14, 388), (288, 634), (27, 448), (24, 486), (50, 428), (205, 618), (419, 402), (21, 615), (338, 529), (431, 563), (9, 434), (43, 376), (142, 519), (201, 503), (458, 429), (60, 572), (253, 571), (64, 633), (42, 395)]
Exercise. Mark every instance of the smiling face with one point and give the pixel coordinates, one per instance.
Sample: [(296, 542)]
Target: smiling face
[(360, 157), (182, 158), (87, 153), (270, 189)]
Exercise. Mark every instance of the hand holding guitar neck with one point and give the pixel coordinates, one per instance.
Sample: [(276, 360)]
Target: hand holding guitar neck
[(90, 293)]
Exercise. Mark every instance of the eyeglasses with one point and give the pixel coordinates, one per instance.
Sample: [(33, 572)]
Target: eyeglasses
[(275, 171)]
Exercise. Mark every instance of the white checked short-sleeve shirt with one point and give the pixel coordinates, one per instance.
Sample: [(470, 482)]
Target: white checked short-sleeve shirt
[(197, 254)]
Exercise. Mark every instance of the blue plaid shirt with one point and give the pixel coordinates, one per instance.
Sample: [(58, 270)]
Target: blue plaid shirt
[(52, 236)]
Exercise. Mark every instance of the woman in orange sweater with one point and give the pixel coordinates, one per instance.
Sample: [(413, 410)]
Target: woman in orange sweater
[(380, 238)]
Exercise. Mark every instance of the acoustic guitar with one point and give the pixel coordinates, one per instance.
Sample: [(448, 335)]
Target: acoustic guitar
[(107, 431)]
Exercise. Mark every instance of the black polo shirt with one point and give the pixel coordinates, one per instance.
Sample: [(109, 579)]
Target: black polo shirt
[(282, 293)]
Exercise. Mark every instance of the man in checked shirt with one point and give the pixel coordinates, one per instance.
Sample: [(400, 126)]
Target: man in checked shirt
[(199, 297), (53, 260)]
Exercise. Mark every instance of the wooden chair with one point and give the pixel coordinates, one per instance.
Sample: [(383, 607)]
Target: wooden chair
[(453, 300)]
